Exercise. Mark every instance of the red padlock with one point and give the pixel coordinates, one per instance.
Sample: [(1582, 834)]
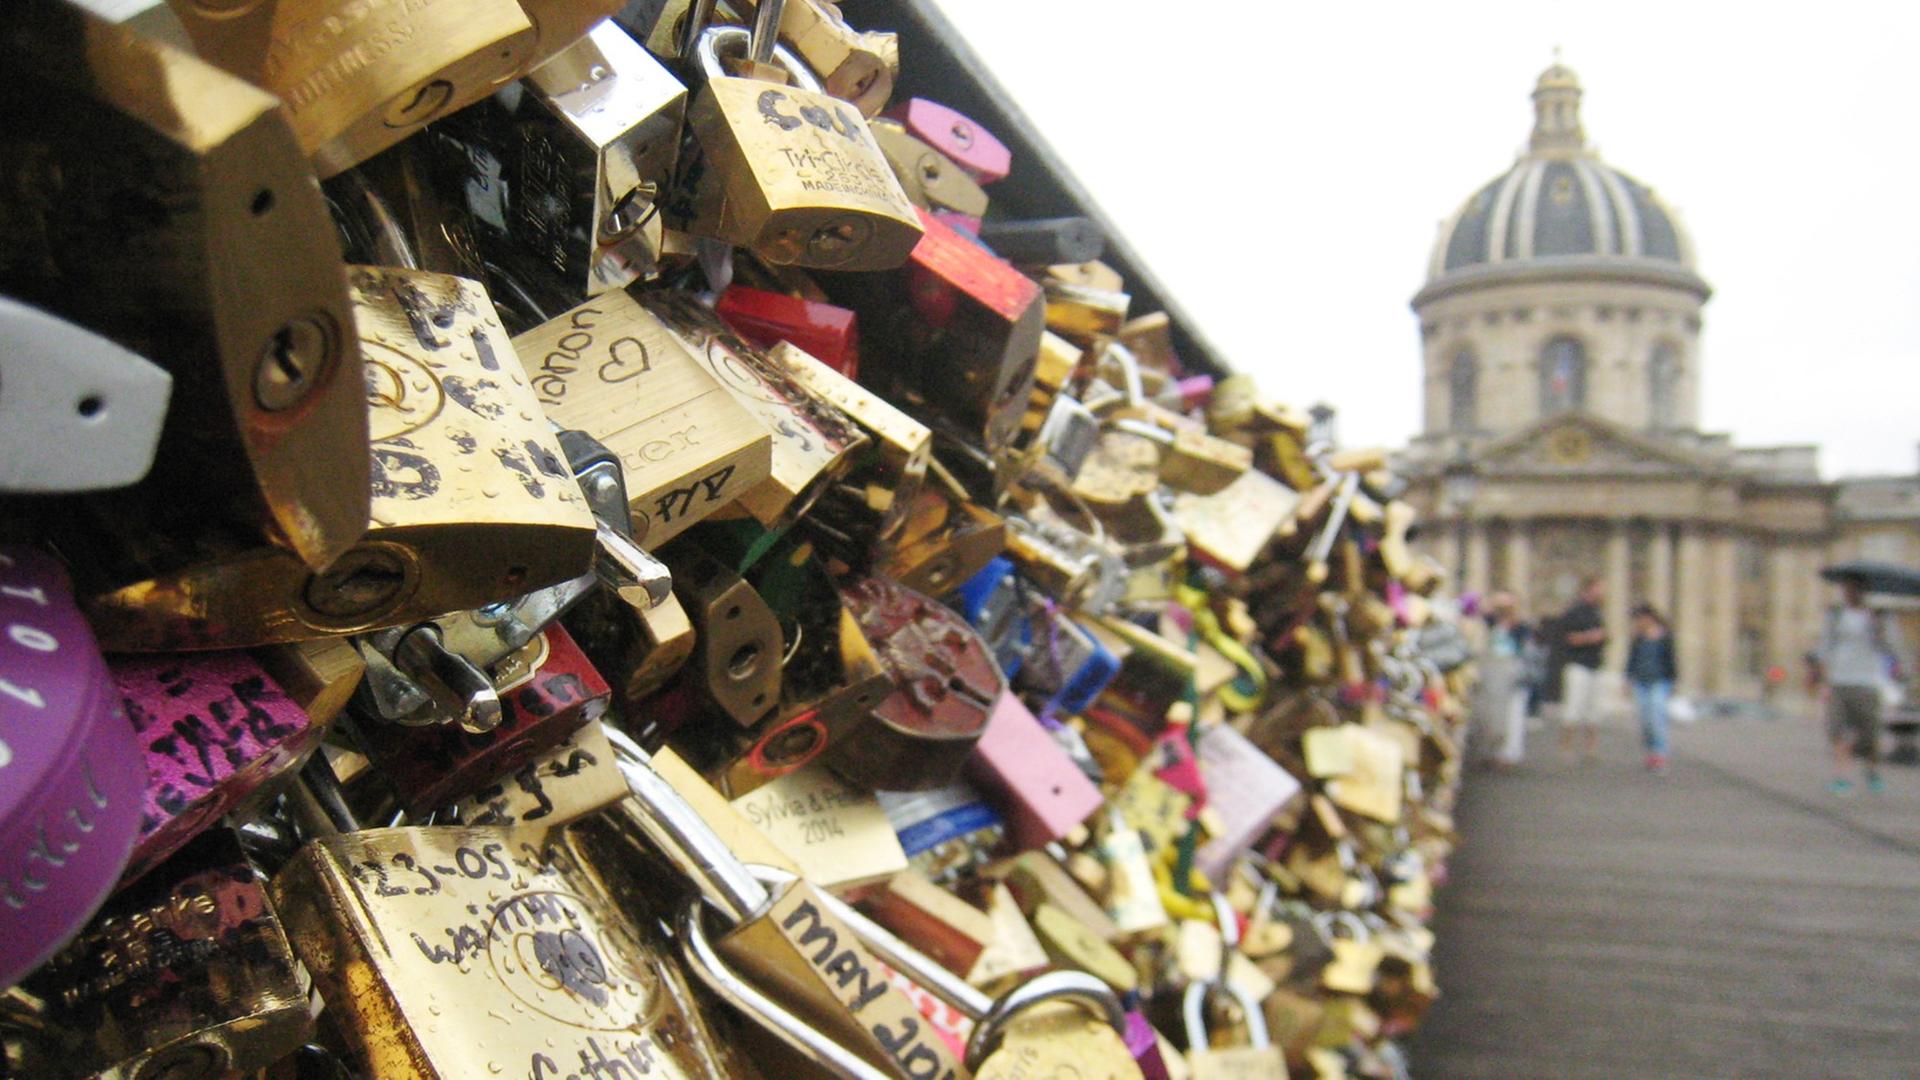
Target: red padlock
[(826, 333)]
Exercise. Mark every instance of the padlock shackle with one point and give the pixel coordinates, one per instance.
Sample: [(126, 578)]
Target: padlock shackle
[(766, 30), (1193, 1005), (1078, 986), (717, 39), (684, 837), (727, 985)]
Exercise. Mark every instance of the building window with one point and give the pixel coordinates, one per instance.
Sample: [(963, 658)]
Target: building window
[(1563, 376), (1463, 385), (1663, 387)]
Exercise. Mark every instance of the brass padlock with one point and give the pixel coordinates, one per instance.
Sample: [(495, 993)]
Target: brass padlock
[(463, 462), (454, 952), (812, 439), (858, 67), (871, 504), (566, 783), (224, 271), (186, 974), (738, 644), (930, 180), (786, 171), (613, 369), (358, 77), (1258, 1060)]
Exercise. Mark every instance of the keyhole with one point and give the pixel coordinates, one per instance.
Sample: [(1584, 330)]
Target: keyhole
[(290, 364), (363, 580), (962, 133), (425, 101), (839, 240)]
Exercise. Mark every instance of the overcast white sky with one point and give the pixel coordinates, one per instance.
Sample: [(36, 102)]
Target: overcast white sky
[(1287, 180)]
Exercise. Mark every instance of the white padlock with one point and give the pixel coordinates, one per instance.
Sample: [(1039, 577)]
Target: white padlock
[(77, 412)]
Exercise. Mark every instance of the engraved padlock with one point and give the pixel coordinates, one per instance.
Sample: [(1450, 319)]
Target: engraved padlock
[(358, 77), (186, 975), (1258, 1059), (79, 412), (463, 462), (786, 171), (213, 728), (450, 951), (75, 775), (225, 273), (614, 369), (785, 939), (566, 783)]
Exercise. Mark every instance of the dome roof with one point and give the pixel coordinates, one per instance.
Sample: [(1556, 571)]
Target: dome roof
[(1560, 201)]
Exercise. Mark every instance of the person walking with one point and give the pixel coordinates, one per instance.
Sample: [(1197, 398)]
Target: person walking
[(1652, 672), (1583, 637), (1505, 687), (1858, 655)]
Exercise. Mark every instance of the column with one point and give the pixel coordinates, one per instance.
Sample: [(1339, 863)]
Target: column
[(1690, 609), (1520, 562), (1477, 557), (1724, 631), (1444, 546), (1783, 605), (1660, 568), (1619, 594)]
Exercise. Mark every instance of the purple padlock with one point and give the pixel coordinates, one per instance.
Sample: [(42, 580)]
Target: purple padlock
[(71, 771), (213, 727)]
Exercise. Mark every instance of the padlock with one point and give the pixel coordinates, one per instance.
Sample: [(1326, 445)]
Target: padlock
[(930, 180), (1258, 1059), (738, 644), (1245, 790), (462, 462), (1232, 527), (944, 542), (1360, 769), (971, 146), (993, 602), (822, 331), (1036, 878), (871, 505), (856, 67), (213, 728), (953, 336), (837, 834), (453, 951), (948, 685), (80, 412), (320, 675), (585, 155), (1042, 792), (1084, 315), (186, 975), (948, 930), (947, 832), (785, 939), (812, 439), (1047, 241), (613, 369), (229, 279), (573, 779), (785, 171), (1192, 460), (552, 694), (1131, 898), (1356, 957), (76, 776), (1003, 1042), (1093, 274), (356, 77)]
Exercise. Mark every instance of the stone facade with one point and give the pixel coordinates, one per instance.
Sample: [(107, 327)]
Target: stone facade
[(1560, 331)]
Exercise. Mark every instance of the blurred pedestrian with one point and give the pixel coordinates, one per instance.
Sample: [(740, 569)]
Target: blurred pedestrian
[(1859, 656), (1652, 671), (1505, 687), (1583, 638)]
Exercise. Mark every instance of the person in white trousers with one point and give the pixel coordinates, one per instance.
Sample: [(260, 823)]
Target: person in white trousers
[(1504, 683)]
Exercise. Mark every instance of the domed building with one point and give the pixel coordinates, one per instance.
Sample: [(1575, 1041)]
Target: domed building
[(1560, 337)]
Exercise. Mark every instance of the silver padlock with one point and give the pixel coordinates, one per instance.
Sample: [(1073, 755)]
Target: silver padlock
[(77, 412)]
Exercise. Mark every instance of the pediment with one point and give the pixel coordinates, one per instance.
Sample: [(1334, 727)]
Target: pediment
[(1579, 444)]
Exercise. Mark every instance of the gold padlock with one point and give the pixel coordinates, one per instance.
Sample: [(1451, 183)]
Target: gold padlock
[(738, 643), (358, 77), (1082, 314), (613, 369), (858, 67), (463, 462), (224, 270), (787, 171), (1258, 1060), (931, 180)]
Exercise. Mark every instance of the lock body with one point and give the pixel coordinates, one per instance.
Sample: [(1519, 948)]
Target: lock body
[(228, 276), (452, 951), (614, 369), (790, 173), (80, 412), (358, 77), (186, 974), (951, 132), (213, 728), (822, 331), (71, 807)]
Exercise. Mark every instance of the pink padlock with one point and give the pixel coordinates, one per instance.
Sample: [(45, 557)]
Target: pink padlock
[(951, 132), (1030, 777), (214, 727)]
